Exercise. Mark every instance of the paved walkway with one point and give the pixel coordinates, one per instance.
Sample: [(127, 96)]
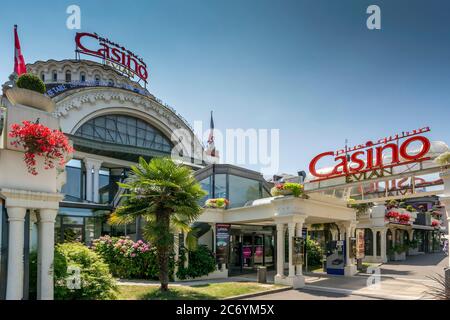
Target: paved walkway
[(398, 280), (307, 294), (416, 267)]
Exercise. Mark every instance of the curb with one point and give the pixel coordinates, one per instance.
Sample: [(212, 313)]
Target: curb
[(355, 293), (257, 294)]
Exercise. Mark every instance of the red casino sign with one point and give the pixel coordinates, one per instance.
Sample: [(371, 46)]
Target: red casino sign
[(369, 157), (113, 54)]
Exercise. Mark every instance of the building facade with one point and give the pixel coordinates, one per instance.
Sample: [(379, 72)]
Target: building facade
[(112, 121)]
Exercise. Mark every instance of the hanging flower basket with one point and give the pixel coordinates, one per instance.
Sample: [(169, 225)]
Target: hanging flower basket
[(39, 140)]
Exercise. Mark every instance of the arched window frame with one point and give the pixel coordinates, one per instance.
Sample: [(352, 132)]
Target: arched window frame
[(125, 130)]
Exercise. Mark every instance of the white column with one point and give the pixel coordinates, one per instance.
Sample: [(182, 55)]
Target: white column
[(88, 165), (374, 237), (291, 232), (46, 253), (299, 228), (14, 282), (348, 234), (383, 245), (96, 178), (280, 250), (92, 178), (350, 267)]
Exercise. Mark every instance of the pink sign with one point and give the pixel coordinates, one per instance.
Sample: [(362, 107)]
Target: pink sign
[(247, 252), (259, 251)]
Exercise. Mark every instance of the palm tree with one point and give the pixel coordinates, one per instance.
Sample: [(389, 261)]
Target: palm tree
[(166, 195)]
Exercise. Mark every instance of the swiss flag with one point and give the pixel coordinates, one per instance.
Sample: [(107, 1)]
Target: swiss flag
[(19, 62)]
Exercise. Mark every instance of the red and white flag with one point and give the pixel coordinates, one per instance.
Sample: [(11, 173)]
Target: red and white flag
[(19, 61)]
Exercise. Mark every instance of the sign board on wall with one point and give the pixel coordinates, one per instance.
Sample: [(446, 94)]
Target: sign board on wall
[(360, 243), (368, 161), (298, 250), (222, 242), (112, 54)]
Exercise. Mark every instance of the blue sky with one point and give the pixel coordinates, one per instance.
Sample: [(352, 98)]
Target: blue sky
[(310, 68)]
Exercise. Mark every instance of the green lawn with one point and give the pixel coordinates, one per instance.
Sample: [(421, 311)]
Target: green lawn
[(209, 291)]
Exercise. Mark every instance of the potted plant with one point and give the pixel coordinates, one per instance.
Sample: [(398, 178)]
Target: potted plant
[(29, 91), (413, 247), (217, 203), (435, 224), (288, 188), (392, 216), (40, 141), (443, 159), (400, 252), (361, 208), (391, 253)]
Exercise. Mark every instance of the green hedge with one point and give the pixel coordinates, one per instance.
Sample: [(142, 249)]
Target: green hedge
[(96, 281), (201, 262), (314, 251), (31, 82)]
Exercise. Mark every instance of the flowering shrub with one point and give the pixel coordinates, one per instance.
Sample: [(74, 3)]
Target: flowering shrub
[(404, 218), (288, 188), (96, 281), (397, 217), (40, 140), (217, 203), (435, 223), (392, 215), (137, 260), (128, 259)]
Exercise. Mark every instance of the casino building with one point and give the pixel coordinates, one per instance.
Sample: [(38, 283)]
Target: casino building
[(112, 120)]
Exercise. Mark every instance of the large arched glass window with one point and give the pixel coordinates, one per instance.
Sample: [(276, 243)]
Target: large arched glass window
[(124, 130)]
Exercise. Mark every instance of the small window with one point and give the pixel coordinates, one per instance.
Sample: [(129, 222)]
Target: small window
[(110, 82), (55, 76), (83, 77), (68, 76), (97, 78), (43, 77)]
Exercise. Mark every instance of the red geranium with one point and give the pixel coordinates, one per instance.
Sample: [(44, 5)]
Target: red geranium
[(279, 186), (392, 215), (404, 218), (435, 223), (40, 140)]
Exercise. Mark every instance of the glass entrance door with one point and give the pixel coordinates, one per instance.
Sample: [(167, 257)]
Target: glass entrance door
[(250, 250)]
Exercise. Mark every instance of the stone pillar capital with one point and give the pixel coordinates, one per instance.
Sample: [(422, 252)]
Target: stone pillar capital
[(16, 213), (47, 215)]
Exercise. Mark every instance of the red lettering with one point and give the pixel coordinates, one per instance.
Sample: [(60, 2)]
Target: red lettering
[(313, 163), (425, 148), (354, 159), (380, 150)]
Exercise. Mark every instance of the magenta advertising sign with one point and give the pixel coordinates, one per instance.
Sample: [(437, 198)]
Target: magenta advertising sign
[(222, 242)]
